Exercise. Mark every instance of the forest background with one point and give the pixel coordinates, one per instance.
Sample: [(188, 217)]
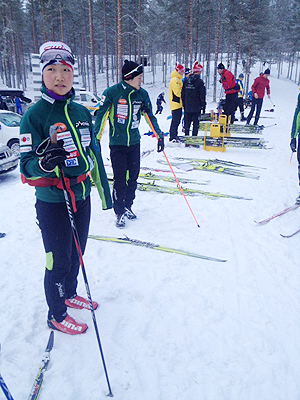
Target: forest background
[(103, 33)]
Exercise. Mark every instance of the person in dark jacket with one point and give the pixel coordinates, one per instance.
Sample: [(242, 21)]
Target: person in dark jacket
[(56, 134), (159, 101), (124, 103), (230, 88), (193, 96), (295, 132), (260, 84)]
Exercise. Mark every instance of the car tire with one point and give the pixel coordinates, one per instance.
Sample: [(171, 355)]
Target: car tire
[(14, 145)]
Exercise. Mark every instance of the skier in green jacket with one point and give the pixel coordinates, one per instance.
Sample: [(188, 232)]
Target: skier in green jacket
[(295, 132), (123, 104), (57, 132)]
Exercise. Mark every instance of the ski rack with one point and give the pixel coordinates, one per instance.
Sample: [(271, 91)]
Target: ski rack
[(217, 130)]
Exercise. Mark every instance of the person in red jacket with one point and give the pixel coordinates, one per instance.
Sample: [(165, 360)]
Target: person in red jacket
[(260, 84), (230, 88)]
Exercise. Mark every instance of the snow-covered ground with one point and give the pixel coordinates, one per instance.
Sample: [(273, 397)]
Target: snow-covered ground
[(172, 327)]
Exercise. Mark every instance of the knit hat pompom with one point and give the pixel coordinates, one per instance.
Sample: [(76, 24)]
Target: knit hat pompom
[(179, 68), (197, 67)]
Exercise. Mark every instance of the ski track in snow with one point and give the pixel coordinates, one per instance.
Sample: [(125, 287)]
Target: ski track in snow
[(172, 327)]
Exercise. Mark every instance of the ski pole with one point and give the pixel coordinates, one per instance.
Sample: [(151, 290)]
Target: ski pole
[(4, 387), (178, 184), (291, 157), (79, 251), (271, 101), (269, 126), (36, 388)]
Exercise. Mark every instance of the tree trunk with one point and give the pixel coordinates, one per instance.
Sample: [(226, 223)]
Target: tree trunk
[(191, 33), (139, 31), (218, 27), (61, 22), (119, 37), (34, 33), (43, 21), (105, 43), (92, 48)]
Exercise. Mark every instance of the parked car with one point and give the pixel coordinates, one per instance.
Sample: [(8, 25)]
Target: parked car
[(89, 100), (8, 160), (10, 130), (8, 97)]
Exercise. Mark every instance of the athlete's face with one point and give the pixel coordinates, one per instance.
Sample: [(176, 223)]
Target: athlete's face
[(58, 78), (136, 82)]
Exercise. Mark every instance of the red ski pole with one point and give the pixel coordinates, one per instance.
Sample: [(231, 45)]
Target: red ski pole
[(178, 184)]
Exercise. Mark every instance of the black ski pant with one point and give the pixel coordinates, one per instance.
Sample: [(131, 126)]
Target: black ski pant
[(240, 105), (125, 161), (176, 118), (256, 103), (191, 118), (230, 106), (62, 260), (159, 109)]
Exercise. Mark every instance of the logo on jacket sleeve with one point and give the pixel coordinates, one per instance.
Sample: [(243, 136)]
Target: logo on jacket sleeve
[(25, 139)]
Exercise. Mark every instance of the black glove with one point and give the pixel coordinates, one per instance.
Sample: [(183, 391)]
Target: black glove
[(145, 109), (293, 145), (55, 154), (160, 144)]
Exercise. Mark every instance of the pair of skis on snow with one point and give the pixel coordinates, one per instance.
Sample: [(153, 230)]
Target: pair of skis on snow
[(286, 210), (36, 388)]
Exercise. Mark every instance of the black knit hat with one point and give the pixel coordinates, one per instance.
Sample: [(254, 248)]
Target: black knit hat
[(221, 66), (131, 69), (267, 72)]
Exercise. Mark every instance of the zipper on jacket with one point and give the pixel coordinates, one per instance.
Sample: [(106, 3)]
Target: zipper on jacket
[(129, 119), (76, 136)]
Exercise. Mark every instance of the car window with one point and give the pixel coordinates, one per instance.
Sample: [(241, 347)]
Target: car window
[(89, 97), (10, 119)]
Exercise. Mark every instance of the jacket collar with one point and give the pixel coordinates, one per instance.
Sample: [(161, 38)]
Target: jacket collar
[(52, 97)]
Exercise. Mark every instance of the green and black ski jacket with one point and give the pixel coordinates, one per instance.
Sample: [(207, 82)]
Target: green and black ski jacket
[(123, 105), (77, 133), (296, 121)]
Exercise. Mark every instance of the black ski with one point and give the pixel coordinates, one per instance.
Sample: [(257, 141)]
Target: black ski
[(36, 388)]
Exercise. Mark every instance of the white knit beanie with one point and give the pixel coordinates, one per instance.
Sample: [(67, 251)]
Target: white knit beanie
[(55, 53)]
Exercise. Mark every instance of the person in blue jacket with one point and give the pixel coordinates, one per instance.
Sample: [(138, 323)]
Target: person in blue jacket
[(18, 106), (240, 97)]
